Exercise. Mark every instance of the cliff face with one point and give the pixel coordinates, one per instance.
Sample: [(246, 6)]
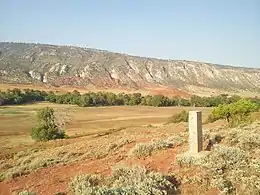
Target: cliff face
[(64, 65)]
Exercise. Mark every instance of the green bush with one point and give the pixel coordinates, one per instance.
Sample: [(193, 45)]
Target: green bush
[(235, 113), (125, 180), (183, 116), (45, 133), (47, 129)]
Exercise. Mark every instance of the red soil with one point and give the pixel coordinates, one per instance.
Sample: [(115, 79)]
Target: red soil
[(55, 179)]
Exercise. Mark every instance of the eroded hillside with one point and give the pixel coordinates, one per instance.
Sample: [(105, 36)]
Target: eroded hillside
[(65, 65)]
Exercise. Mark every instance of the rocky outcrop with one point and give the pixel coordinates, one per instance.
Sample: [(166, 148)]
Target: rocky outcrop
[(65, 65)]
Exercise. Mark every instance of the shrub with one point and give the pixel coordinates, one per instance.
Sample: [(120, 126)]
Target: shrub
[(211, 119), (244, 139), (225, 186), (232, 169), (146, 149), (235, 113), (183, 116), (228, 166), (26, 192), (85, 184), (224, 158), (44, 133), (125, 180), (188, 159), (255, 164), (47, 129)]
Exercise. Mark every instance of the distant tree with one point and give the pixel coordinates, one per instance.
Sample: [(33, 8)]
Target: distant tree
[(2, 100), (127, 99), (51, 97), (135, 99), (234, 99), (111, 99), (184, 102), (75, 98), (86, 100), (157, 100), (174, 101)]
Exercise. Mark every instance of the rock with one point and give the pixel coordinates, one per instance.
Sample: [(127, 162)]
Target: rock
[(76, 66), (36, 75)]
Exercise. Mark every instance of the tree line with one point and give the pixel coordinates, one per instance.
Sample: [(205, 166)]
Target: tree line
[(90, 99), (17, 96)]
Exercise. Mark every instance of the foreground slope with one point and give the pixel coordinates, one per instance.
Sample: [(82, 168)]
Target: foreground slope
[(67, 65), (231, 165)]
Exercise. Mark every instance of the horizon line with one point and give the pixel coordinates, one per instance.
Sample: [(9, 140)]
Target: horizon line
[(128, 54)]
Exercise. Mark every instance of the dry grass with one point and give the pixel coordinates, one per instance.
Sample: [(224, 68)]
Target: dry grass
[(18, 120), (39, 155), (204, 91), (29, 160)]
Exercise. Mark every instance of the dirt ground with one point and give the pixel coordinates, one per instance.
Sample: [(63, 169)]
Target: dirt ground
[(94, 130), (54, 179)]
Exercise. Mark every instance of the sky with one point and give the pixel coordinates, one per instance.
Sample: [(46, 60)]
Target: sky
[(218, 31)]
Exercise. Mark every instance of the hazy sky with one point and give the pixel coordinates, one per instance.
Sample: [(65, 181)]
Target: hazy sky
[(218, 31)]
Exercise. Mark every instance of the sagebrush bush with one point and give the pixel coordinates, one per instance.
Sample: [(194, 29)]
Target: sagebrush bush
[(226, 167), (146, 149), (183, 116), (189, 159), (244, 138), (26, 192), (125, 180), (224, 158), (234, 168), (224, 185), (255, 164)]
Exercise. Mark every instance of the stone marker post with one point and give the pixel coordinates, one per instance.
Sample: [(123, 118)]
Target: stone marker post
[(195, 132)]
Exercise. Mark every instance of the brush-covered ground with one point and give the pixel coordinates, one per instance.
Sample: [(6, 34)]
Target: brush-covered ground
[(125, 150)]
